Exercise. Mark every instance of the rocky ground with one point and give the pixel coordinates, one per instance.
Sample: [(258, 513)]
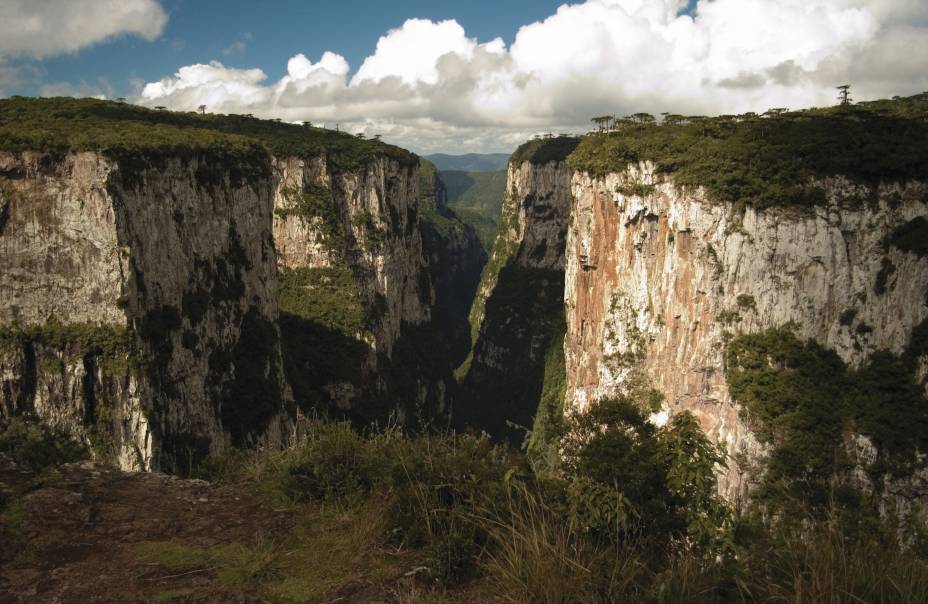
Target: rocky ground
[(86, 533)]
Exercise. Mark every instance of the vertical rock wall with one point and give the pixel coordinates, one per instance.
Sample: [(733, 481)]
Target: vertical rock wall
[(360, 228), (139, 308), (660, 282), (518, 311)]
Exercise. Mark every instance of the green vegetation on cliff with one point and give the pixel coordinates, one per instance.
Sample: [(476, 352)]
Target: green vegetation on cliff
[(314, 202), (456, 259), (125, 131), (912, 237), (767, 161), (78, 338), (37, 446), (802, 399), (543, 150), (321, 318)]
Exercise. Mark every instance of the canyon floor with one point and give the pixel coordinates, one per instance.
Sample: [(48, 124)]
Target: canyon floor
[(87, 533)]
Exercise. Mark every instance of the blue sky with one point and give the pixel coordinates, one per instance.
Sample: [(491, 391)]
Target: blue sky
[(462, 77), (199, 31)]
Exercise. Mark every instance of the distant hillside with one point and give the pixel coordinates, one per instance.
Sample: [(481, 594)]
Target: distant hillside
[(476, 197), (472, 162)]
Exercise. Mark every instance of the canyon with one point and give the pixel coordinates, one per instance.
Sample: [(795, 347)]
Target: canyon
[(164, 308)]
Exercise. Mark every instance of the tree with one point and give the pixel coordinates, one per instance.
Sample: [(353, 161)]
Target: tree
[(202, 108), (160, 107), (642, 118), (121, 99), (844, 94)]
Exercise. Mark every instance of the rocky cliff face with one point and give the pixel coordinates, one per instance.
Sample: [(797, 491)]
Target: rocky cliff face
[(350, 246), (377, 208), (139, 303), (517, 316), (659, 280)]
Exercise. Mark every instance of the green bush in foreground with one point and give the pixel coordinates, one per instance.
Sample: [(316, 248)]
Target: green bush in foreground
[(633, 516)]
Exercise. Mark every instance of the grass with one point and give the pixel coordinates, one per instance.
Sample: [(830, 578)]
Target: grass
[(234, 565), (770, 161), (472, 520)]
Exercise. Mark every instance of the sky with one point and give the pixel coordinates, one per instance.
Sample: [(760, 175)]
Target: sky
[(460, 77)]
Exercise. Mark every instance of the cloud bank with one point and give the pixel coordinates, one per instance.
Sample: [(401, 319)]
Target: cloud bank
[(42, 28), (430, 86), (38, 29)]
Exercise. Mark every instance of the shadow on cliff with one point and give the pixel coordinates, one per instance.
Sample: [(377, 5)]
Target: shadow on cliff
[(317, 357), (501, 392)]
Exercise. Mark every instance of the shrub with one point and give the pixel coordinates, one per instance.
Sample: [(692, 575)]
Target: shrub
[(544, 150), (135, 135), (912, 237), (626, 474), (801, 398), (37, 446), (847, 317)]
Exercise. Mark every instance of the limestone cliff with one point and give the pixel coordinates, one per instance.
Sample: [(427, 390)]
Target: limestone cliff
[(172, 282), (517, 316), (660, 279), (352, 266), (139, 303)]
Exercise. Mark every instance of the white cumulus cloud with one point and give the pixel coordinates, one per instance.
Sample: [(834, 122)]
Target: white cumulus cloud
[(42, 28), (431, 87)]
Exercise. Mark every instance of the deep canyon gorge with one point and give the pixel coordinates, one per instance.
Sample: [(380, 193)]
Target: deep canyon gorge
[(178, 287)]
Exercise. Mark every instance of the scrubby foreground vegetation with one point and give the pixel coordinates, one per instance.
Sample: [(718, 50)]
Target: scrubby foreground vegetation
[(631, 514)]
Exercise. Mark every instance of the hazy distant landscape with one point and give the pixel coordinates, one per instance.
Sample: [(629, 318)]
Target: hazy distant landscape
[(475, 185)]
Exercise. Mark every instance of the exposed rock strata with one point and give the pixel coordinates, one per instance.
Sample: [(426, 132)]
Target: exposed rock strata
[(176, 253), (374, 230), (661, 281)]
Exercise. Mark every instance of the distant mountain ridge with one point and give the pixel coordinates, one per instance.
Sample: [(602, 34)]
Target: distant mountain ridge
[(470, 162)]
